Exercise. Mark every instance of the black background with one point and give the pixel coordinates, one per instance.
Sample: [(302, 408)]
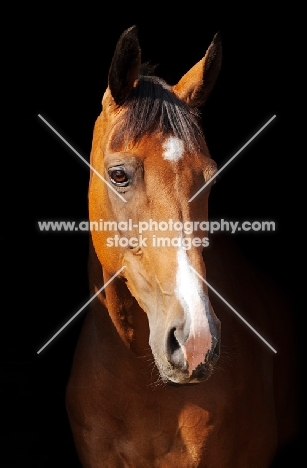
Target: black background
[(56, 66)]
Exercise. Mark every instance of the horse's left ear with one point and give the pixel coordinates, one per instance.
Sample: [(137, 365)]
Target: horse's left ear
[(196, 85), (125, 65)]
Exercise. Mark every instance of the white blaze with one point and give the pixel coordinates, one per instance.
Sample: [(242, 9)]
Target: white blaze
[(196, 307), (173, 149)]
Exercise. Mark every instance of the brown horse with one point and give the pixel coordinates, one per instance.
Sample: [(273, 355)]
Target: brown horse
[(164, 376)]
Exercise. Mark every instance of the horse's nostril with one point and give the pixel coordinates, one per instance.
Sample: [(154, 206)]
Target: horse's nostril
[(172, 343), (174, 351)]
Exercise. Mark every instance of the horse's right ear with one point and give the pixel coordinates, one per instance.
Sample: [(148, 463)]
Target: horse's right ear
[(196, 85), (125, 65)]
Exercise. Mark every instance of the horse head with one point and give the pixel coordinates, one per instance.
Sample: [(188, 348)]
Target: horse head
[(149, 147)]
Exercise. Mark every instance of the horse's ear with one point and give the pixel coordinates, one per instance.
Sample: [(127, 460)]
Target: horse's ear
[(196, 85), (125, 65)]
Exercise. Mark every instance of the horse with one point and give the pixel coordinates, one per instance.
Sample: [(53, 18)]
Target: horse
[(164, 374)]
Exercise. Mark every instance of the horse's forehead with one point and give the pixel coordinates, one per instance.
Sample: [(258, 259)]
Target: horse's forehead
[(162, 149), (172, 149), (170, 152)]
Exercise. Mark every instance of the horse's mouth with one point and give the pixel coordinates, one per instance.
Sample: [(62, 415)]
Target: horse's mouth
[(200, 374), (177, 375)]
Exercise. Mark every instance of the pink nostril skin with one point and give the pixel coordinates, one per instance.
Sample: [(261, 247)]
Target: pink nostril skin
[(196, 347)]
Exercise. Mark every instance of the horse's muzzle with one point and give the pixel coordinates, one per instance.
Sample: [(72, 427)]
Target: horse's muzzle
[(182, 371)]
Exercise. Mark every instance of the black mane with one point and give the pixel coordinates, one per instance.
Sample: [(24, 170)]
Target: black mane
[(152, 107)]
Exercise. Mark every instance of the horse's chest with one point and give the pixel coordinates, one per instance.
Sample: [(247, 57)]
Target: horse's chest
[(176, 432), (161, 434)]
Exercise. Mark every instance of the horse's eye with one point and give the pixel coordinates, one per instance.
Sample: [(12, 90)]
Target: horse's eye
[(118, 177)]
